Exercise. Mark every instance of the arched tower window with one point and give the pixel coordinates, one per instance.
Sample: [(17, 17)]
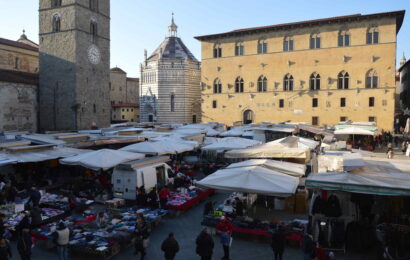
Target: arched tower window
[(343, 80), (217, 86), (288, 83), (239, 85), (172, 102), (372, 79), (93, 4), (56, 23), (55, 3), (262, 84), (93, 30), (262, 46), (314, 81)]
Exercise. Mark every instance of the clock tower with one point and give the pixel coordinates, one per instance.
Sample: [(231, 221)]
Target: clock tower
[(74, 64)]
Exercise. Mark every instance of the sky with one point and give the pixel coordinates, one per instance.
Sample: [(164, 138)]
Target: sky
[(142, 24)]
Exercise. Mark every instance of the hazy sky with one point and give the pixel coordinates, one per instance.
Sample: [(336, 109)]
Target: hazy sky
[(142, 24)]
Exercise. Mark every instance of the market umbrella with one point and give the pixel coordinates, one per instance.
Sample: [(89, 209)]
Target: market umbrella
[(354, 130), (101, 159), (293, 169), (174, 145), (252, 179), (229, 143), (153, 148)]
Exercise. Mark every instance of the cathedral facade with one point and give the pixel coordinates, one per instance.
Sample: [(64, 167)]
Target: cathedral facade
[(170, 83)]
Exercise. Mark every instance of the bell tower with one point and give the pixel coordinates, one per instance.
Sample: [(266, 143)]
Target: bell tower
[(74, 38)]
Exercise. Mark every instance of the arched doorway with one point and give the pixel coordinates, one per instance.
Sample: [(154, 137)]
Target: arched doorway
[(248, 117)]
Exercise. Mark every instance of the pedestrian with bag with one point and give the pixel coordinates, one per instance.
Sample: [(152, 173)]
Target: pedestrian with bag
[(62, 238), (224, 229), (204, 245), (278, 243), (24, 244), (170, 247)]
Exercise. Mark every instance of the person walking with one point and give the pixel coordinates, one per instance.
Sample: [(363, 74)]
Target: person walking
[(278, 243), (209, 207), (153, 198), (5, 250), (24, 244), (163, 197), (170, 247), (224, 229), (139, 246), (204, 245), (308, 247), (61, 238)]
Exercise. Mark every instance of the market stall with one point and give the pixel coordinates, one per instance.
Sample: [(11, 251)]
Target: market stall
[(288, 147), (351, 207), (102, 159), (293, 169), (182, 201), (149, 148)]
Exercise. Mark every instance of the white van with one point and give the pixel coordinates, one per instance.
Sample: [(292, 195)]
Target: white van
[(147, 172)]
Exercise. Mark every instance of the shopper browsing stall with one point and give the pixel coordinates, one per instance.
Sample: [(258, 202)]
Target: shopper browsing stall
[(224, 229), (163, 197), (62, 238)]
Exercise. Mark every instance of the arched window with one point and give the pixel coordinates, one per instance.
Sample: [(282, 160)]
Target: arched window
[(248, 117), (217, 86), (217, 50), (93, 30), (262, 84), (93, 4), (288, 44), (372, 79), (288, 83), (314, 81), (172, 102), (372, 36), (262, 46), (343, 39), (343, 80), (55, 3), (315, 41), (56, 23), (239, 49), (239, 85)]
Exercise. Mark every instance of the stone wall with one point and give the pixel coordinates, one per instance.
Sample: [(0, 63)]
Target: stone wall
[(18, 107)]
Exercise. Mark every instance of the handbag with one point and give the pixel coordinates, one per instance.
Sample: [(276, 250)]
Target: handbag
[(145, 243)]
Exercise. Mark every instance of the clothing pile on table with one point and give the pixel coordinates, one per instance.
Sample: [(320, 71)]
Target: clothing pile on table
[(180, 198), (128, 219)]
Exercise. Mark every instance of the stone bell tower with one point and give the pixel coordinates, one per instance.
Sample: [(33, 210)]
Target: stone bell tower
[(74, 64)]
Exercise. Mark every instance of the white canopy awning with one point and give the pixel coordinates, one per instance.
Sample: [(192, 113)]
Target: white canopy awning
[(288, 147), (353, 130), (102, 159), (152, 148), (176, 146), (39, 155), (293, 169), (229, 143), (252, 179)]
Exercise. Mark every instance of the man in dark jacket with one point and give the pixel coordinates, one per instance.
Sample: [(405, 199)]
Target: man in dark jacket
[(209, 207), (204, 245), (24, 245), (170, 247), (308, 247), (139, 246), (278, 243), (35, 197)]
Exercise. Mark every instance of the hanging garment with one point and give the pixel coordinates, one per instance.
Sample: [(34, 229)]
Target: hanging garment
[(332, 208)]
